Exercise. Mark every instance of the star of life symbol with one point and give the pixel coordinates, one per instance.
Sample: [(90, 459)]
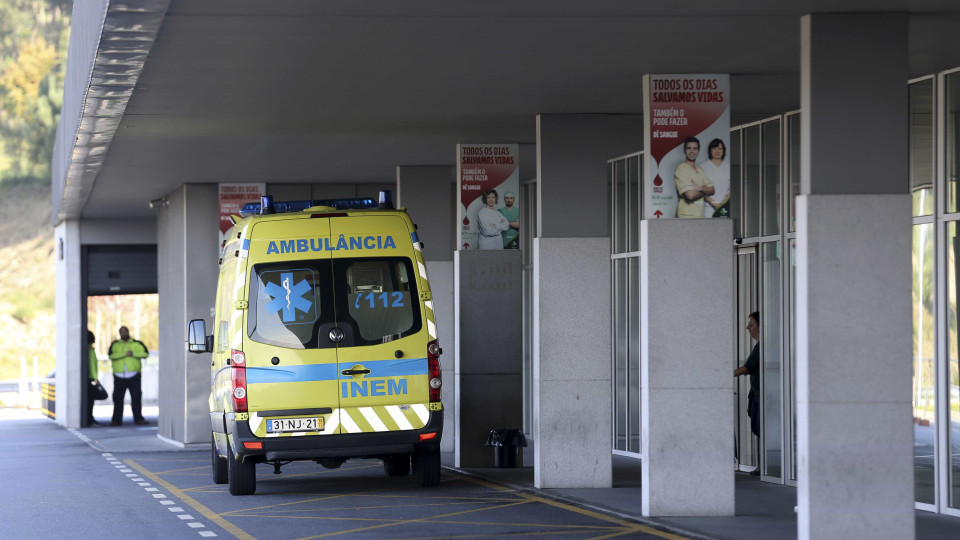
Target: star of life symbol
[(288, 299)]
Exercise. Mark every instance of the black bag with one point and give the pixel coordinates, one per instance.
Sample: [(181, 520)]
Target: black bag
[(97, 390)]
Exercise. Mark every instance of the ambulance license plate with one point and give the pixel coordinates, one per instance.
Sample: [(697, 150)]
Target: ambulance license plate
[(283, 425)]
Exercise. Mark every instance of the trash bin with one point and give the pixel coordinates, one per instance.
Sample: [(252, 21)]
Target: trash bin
[(506, 444)]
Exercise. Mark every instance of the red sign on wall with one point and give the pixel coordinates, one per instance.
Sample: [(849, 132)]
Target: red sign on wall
[(489, 180), (687, 137)]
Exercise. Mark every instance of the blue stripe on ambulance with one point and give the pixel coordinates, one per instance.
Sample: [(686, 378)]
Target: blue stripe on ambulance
[(328, 372), (315, 372)]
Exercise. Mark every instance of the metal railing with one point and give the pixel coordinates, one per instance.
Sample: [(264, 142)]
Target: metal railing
[(25, 391)]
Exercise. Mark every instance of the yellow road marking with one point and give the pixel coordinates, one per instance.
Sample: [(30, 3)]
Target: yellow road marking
[(234, 512), (204, 489), (388, 522), (634, 527), (531, 533), (168, 460), (623, 527), (408, 521), (206, 512), (201, 468), (381, 507), (552, 525)]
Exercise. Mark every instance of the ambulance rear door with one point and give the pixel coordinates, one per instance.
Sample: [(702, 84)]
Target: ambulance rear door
[(291, 360), (382, 357)]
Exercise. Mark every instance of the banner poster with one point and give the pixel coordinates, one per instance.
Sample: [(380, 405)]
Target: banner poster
[(687, 138), (488, 176), (232, 199)]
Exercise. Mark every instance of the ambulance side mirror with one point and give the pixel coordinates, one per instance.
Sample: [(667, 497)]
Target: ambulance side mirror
[(197, 339)]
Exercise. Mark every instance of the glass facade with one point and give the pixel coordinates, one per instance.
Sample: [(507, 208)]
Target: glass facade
[(736, 186), (924, 419), (921, 147), (951, 162), (528, 231), (625, 178), (750, 185), (771, 364), (771, 177), (793, 168), (747, 445), (759, 179), (951, 401), (933, 166), (765, 182)]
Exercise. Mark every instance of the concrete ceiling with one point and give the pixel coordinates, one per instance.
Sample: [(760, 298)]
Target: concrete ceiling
[(344, 91)]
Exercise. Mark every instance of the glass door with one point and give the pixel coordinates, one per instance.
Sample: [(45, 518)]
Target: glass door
[(624, 178), (746, 444)]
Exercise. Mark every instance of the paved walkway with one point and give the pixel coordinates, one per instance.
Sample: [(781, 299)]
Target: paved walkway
[(99, 480), (113, 482), (763, 510)]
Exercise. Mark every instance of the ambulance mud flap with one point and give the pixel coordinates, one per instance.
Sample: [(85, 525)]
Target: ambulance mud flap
[(217, 422)]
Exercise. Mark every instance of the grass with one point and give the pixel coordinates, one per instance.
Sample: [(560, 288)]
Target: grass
[(27, 278)]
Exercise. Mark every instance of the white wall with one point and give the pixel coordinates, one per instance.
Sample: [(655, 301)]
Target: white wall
[(187, 255), (67, 306)]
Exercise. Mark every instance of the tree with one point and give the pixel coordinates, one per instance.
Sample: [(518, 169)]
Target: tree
[(34, 37)]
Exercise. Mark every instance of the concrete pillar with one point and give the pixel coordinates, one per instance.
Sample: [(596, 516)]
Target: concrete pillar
[(187, 254), (70, 335), (571, 328), (854, 444), (428, 194), (572, 373), (686, 354), (488, 313)]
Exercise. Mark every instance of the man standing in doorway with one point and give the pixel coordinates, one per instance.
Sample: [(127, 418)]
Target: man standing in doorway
[(752, 367), (126, 355), (692, 183)]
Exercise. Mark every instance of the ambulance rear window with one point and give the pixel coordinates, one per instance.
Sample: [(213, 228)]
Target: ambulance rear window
[(381, 298), (289, 303), (295, 304)]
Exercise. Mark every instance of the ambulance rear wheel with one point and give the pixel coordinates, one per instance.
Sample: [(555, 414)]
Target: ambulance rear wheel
[(397, 465), (219, 464), (241, 475), (426, 466)]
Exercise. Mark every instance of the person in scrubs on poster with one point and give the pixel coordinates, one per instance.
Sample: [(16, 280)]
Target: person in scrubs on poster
[(490, 222), (511, 237)]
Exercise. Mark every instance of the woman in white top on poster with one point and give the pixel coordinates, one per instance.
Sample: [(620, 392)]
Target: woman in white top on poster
[(490, 222), (717, 170)]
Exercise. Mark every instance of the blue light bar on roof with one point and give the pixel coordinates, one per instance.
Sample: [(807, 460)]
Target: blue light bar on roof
[(359, 203)]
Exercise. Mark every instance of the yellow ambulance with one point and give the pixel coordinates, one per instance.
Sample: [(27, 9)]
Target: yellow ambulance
[(324, 344)]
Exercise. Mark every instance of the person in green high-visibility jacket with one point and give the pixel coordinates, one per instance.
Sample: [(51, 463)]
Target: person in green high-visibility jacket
[(94, 375), (126, 354)]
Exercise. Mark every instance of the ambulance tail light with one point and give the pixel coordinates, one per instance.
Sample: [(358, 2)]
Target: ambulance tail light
[(238, 358), (433, 367), (238, 383)]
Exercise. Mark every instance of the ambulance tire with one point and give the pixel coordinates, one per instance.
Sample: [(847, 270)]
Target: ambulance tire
[(219, 465), (397, 465), (426, 466), (241, 475)]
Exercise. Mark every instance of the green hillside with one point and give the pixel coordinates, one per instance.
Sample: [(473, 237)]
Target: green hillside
[(34, 35), (27, 274)]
